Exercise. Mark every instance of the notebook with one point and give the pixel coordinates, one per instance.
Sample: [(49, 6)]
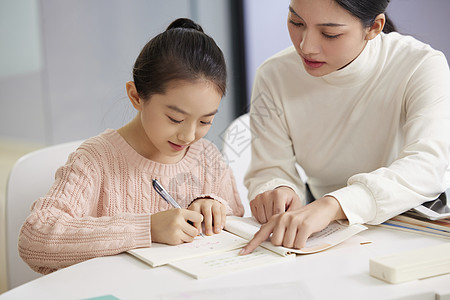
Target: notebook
[(218, 254)]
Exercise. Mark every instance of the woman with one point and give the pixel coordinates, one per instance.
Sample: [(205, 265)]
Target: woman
[(365, 113)]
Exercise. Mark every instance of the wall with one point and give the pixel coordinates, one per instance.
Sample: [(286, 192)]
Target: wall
[(266, 27), (68, 79)]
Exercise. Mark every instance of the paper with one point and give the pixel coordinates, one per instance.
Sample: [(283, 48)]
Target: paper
[(332, 235), (227, 262), (218, 254), (161, 254)]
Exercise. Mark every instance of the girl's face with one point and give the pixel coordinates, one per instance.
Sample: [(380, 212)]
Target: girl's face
[(325, 35), (178, 118)]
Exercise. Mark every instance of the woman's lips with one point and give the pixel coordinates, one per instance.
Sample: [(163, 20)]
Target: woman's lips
[(177, 147), (312, 63)]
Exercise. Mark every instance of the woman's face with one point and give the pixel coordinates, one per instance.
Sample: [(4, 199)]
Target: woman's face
[(325, 35)]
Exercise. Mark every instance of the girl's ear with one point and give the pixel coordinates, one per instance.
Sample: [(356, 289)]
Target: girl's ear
[(377, 27), (134, 96)]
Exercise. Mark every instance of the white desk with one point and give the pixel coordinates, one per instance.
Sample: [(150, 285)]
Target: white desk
[(341, 272)]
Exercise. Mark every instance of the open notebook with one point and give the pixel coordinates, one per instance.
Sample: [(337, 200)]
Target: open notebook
[(218, 254)]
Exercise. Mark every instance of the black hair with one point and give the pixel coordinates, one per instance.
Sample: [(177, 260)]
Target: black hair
[(182, 52), (367, 11)]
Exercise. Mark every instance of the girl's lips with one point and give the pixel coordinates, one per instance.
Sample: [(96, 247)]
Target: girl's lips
[(177, 147), (313, 63)]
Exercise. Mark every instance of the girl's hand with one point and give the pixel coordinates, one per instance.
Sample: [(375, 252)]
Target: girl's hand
[(171, 226), (276, 201), (291, 229), (214, 214)]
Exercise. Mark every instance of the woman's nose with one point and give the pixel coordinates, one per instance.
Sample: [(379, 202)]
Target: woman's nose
[(309, 44)]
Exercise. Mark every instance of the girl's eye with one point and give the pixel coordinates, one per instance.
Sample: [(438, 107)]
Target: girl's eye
[(328, 36), (297, 24), (206, 122), (174, 121)]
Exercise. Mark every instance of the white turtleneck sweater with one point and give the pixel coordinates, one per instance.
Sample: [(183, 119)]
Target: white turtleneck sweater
[(374, 135)]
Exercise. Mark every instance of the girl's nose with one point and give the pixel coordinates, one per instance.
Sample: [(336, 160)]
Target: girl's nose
[(187, 133)]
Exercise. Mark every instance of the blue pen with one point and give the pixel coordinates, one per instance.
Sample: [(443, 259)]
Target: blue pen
[(166, 196)]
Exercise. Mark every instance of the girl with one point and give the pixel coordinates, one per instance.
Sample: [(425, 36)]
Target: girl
[(365, 113), (103, 202)]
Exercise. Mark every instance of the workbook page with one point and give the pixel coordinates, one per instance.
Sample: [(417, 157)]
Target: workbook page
[(227, 262), (160, 254), (332, 235)]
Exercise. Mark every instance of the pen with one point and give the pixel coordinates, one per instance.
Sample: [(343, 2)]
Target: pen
[(166, 196)]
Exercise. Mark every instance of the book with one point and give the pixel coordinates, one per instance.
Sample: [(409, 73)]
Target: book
[(409, 228), (332, 235), (409, 216), (412, 222), (218, 254), (229, 261), (162, 254), (434, 210)]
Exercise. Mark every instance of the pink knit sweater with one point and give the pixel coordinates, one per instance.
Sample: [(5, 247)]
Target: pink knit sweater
[(102, 198)]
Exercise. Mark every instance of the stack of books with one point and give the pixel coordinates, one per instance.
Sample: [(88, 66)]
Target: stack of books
[(415, 222)]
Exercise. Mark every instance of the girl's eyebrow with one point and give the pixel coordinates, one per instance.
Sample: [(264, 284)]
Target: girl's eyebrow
[(177, 109), (322, 24)]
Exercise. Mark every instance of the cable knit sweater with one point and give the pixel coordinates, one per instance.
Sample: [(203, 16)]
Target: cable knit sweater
[(102, 198)]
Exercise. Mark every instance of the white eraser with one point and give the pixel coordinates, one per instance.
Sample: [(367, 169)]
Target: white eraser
[(413, 264)]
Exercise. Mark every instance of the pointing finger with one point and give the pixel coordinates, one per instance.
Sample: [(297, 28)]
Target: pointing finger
[(259, 237)]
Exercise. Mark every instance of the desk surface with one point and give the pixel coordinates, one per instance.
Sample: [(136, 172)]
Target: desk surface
[(341, 272)]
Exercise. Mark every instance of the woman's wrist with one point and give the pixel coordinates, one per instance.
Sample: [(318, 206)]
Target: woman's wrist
[(336, 208)]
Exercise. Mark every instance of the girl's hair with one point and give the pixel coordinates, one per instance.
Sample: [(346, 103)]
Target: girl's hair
[(182, 52), (367, 11)]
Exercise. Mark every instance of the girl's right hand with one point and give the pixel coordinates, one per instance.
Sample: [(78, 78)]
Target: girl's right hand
[(171, 226), (273, 202)]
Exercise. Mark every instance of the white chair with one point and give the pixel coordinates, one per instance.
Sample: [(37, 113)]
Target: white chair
[(237, 139), (31, 177), (236, 149)]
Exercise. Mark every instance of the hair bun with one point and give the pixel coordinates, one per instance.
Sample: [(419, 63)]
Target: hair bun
[(184, 23)]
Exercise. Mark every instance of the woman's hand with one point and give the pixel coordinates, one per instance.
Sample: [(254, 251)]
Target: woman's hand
[(214, 214), (171, 226), (292, 228), (276, 201)]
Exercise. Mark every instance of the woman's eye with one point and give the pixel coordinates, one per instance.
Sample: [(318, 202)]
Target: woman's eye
[(206, 122), (297, 24), (174, 120), (329, 36)]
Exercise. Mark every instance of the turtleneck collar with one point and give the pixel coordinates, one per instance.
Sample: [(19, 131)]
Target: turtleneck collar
[(359, 70)]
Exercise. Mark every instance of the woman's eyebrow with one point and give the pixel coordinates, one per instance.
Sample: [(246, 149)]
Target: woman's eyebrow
[(332, 25), (322, 24), (294, 12)]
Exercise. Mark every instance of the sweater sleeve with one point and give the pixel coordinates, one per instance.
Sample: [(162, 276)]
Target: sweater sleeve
[(420, 171), (64, 227), (219, 182), (273, 161)]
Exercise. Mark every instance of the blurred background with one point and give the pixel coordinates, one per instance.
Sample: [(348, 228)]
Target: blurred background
[(64, 64)]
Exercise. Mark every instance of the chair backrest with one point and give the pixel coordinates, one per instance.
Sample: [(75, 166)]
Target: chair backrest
[(237, 140), (30, 178), (236, 149)]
